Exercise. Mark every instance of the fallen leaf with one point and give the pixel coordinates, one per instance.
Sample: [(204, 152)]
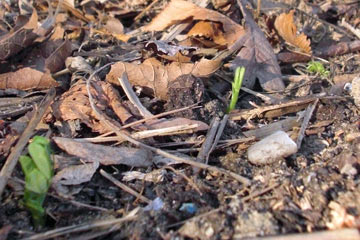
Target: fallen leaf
[(113, 25), (75, 104), (23, 36), (286, 28), (40, 63), (106, 155), (257, 56), (210, 30), (55, 62), (169, 49), (76, 174), (178, 11), (69, 7), (154, 77), (27, 78)]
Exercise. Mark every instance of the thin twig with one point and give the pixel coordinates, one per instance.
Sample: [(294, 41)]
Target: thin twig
[(209, 139), (124, 82), (124, 187), (143, 12), (83, 227), (320, 20), (80, 204), (308, 114), (12, 160), (261, 192), (191, 182), (174, 130), (346, 25), (218, 136), (193, 106)]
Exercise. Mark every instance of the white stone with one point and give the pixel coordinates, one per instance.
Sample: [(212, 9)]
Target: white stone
[(273, 147)]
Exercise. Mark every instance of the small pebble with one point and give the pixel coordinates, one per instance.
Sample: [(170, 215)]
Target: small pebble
[(273, 147)]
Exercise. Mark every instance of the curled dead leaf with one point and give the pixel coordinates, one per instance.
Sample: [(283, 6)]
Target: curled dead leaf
[(179, 11), (209, 30), (154, 77), (106, 155), (75, 104), (286, 28), (27, 78), (23, 36), (257, 56)]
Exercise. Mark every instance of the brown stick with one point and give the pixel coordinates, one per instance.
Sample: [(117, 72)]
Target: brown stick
[(52, 234), (11, 161), (124, 187)]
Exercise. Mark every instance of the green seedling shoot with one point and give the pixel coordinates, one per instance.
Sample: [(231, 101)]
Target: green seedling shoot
[(38, 171), (236, 85), (317, 68)]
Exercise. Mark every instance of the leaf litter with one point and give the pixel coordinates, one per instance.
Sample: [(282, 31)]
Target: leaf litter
[(130, 76)]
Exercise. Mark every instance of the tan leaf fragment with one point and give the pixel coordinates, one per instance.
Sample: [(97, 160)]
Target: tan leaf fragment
[(154, 77), (286, 28), (114, 26), (48, 58), (208, 30), (106, 155), (257, 56), (74, 175), (178, 11), (55, 62), (26, 79), (75, 104), (22, 36)]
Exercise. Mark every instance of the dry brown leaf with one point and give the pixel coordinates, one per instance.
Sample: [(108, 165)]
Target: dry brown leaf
[(75, 104), (121, 37), (114, 26), (179, 11), (106, 155), (27, 78), (178, 57), (209, 30), (22, 36), (154, 77), (40, 62), (74, 175), (257, 56), (286, 28), (74, 11), (55, 62)]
